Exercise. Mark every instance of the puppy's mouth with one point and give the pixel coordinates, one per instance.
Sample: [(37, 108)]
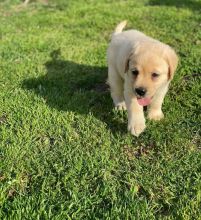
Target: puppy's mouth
[(143, 96), (144, 101)]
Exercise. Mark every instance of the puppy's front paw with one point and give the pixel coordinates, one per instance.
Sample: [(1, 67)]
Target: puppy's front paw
[(136, 128), (120, 106), (156, 115)]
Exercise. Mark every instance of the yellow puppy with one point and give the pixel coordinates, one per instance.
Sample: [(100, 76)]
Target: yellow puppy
[(140, 69)]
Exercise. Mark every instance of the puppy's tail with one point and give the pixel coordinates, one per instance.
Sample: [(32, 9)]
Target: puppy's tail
[(120, 27)]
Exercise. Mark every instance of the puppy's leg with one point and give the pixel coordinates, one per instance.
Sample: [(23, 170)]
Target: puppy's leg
[(116, 86), (155, 111), (136, 120)]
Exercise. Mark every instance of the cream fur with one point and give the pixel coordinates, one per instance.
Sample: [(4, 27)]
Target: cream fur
[(132, 49)]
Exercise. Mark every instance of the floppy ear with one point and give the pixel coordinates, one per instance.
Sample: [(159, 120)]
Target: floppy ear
[(172, 60), (127, 63), (126, 66)]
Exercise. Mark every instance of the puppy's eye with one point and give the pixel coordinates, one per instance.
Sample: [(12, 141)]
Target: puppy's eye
[(135, 72), (154, 75)]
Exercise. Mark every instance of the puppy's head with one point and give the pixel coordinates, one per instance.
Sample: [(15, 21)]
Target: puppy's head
[(150, 66)]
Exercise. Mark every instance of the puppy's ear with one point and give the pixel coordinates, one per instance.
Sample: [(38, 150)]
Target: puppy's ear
[(127, 63), (172, 60)]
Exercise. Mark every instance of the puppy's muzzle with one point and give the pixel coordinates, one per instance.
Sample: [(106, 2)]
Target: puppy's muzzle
[(140, 91)]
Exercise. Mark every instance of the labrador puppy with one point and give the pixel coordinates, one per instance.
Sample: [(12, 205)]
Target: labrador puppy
[(140, 69)]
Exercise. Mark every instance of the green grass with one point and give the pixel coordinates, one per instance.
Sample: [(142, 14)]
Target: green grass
[(64, 151)]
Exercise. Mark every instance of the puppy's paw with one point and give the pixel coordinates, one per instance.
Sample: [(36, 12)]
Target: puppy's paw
[(120, 106), (156, 115), (136, 128)]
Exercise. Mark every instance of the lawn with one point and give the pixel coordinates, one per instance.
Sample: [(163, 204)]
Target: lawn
[(65, 153)]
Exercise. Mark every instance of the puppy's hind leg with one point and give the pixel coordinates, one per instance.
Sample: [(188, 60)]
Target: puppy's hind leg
[(116, 86)]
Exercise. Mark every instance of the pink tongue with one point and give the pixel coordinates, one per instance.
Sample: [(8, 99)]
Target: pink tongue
[(144, 101)]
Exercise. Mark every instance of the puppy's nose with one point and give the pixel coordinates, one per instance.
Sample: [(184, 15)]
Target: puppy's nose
[(140, 91)]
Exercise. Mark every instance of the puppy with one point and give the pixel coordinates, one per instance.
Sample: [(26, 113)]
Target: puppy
[(140, 69)]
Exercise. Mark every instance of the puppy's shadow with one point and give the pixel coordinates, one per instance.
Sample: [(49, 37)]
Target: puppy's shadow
[(69, 86)]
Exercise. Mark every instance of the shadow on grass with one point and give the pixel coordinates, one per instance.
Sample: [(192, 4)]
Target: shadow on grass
[(191, 4), (69, 86)]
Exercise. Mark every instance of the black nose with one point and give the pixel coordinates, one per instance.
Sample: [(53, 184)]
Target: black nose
[(140, 91)]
